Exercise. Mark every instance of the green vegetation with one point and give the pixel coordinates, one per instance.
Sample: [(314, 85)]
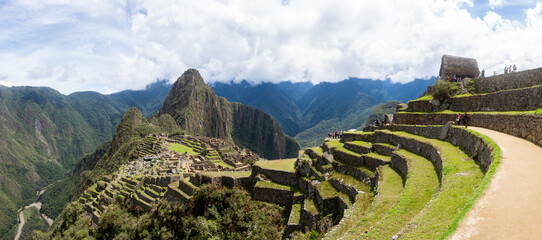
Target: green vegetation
[(461, 184), (284, 164), (295, 214), (327, 190), (378, 156), (530, 112), (181, 149), (496, 153), (427, 97), (226, 173), (231, 215), (273, 185), (444, 90), (361, 143), (422, 183), (33, 222), (390, 187)]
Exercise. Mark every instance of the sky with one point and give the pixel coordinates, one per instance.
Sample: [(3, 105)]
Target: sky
[(113, 45)]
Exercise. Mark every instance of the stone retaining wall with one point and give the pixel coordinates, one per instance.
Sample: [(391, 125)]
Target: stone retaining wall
[(528, 127), (472, 144), (329, 205), (357, 148), (420, 148), (511, 100), (372, 162), (356, 173), (350, 136), (350, 190), (382, 149), (272, 195), (515, 80), (278, 176), (349, 158), (400, 164)]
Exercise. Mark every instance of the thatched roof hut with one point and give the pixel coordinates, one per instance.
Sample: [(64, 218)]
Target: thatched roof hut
[(458, 66)]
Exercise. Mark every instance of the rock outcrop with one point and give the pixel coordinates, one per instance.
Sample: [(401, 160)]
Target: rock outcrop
[(199, 111)]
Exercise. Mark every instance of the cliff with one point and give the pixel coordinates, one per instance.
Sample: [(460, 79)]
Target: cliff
[(199, 111)]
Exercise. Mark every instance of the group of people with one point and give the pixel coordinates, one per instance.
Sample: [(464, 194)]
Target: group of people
[(510, 69), (335, 135), (451, 78), (463, 120)]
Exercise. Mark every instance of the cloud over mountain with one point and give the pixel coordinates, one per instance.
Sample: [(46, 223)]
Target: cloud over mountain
[(113, 45)]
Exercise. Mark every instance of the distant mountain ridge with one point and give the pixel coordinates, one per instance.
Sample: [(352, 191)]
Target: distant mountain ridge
[(309, 111)]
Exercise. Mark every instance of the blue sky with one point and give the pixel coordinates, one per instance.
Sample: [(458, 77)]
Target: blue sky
[(108, 46)]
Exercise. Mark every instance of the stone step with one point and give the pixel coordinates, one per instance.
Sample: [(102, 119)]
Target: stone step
[(383, 148), (360, 147), (143, 196)]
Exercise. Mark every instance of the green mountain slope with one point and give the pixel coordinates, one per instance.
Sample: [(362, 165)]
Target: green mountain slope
[(199, 111), (45, 133)]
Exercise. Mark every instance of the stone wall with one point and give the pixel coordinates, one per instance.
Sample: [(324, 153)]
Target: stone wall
[(349, 158), (350, 136), (350, 190), (511, 100), (329, 205), (515, 80), (528, 127), (278, 176), (400, 164), (420, 148), (383, 149), (357, 148), (272, 195), (472, 144), (356, 173), (373, 163)]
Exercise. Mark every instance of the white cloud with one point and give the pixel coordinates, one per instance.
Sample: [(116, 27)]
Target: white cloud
[(113, 45), (495, 3)]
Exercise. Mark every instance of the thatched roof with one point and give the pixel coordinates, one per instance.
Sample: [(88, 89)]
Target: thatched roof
[(460, 66)]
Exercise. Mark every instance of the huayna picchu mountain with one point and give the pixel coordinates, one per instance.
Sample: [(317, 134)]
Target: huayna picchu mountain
[(200, 112)]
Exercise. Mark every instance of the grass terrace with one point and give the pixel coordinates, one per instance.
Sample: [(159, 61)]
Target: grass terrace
[(283, 164), (421, 185), (361, 143), (390, 187), (328, 191), (273, 185), (530, 112), (295, 214), (226, 173), (181, 149)]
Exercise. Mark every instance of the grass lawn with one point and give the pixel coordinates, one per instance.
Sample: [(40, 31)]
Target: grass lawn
[(361, 143), (226, 173), (273, 185), (390, 187), (317, 150), (328, 191), (421, 185), (180, 148), (283, 164), (462, 183), (295, 214)]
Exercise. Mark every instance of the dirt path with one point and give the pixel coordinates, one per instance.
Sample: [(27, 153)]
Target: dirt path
[(510, 207)]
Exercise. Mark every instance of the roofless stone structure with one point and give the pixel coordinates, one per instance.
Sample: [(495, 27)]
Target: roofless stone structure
[(458, 66)]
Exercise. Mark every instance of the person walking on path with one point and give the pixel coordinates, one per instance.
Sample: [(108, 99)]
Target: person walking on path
[(466, 119), (458, 119)]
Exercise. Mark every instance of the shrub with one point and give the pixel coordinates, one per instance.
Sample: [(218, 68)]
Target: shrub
[(444, 90)]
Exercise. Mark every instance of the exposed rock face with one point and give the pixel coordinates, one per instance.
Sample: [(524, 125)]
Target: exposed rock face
[(196, 108), (461, 66), (199, 111)]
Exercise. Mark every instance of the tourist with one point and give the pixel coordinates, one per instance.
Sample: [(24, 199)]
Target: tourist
[(329, 135), (341, 134), (484, 72), (458, 119), (336, 135), (494, 73), (510, 69), (466, 119), (515, 68), (505, 70)]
